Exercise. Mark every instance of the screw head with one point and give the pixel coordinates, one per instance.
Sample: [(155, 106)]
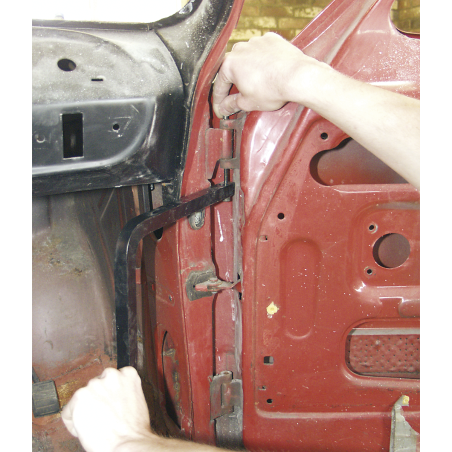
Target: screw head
[(196, 220)]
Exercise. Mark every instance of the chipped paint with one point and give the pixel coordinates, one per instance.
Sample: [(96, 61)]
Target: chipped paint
[(219, 224), (272, 309)]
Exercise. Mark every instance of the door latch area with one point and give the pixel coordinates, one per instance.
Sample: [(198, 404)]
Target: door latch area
[(202, 284), (213, 285)]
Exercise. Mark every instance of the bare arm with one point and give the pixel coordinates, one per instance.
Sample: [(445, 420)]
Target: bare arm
[(269, 72), (110, 415), (159, 444)]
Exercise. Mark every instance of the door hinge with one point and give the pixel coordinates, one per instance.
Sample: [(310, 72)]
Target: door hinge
[(225, 394), (219, 145)]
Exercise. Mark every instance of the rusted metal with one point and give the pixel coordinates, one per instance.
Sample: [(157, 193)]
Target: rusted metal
[(172, 383), (225, 394), (198, 279), (214, 285), (403, 437), (227, 250)]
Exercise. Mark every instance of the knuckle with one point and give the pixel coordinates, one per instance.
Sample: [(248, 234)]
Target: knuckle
[(129, 371), (108, 372), (80, 394)]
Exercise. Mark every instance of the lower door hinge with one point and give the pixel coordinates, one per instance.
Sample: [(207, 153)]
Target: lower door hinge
[(225, 394)]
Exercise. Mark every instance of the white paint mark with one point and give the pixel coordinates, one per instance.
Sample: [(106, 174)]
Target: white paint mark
[(219, 224)]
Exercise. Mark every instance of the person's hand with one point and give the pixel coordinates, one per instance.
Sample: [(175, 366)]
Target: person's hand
[(262, 70), (111, 410)]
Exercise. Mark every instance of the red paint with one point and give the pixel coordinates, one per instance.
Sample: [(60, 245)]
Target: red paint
[(193, 324), (316, 261), (307, 248)]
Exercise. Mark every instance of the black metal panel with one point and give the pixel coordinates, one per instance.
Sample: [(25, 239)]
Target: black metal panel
[(94, 62), (129, 97), (111, 130)]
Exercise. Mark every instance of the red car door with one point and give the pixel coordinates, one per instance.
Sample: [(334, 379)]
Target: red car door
[(266, 287), (330, 258), (326, 270)]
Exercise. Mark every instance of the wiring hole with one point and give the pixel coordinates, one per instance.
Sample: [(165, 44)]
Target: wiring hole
[(66, 65), (391, 250)]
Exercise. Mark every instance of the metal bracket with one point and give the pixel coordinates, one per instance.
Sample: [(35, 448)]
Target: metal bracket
[(202, 284), (232, 163), (225, 393), (125, 258), (214, 285), (403, 437), (194, 280)]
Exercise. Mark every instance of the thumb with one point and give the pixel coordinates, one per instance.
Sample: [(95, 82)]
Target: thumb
[(229, 105), (66, 416)]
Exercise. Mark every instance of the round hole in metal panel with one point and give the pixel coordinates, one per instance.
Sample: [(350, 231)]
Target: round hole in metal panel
[(281, 216), (369, 271), (40, 138), (324, 136), (66, 65), (373, 228), (115, 126), (391, 250)]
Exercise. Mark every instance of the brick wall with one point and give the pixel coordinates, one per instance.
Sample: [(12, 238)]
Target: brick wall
[(406, 15), (285, 17), (289, 17)]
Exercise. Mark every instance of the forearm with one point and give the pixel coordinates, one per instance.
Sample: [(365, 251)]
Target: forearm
[(154, 443), (384, 122), (110, 414), (269, 72)]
